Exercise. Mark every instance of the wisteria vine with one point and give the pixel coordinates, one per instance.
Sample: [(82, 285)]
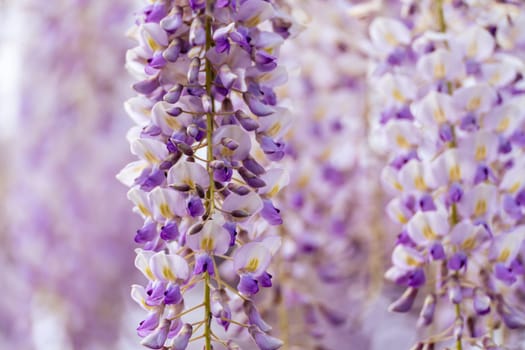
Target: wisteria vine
[(208, 129), (450, 77)]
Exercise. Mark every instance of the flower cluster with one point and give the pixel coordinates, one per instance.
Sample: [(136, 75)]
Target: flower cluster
[(208, 128), (62, 240), (450, 79), (330, 241)]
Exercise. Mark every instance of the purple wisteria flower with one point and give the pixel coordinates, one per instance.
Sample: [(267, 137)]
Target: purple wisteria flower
[(208, 127), (451, 116)]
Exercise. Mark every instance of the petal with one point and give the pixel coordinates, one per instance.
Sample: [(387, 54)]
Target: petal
[(169, 267), (253, 258), (188, 174)]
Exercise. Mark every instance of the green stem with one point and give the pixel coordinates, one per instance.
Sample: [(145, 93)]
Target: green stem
[(441, 16), (210, 194), (459, 346), (454, 212)]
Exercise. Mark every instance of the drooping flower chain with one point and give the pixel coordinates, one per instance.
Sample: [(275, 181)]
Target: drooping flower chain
[(60, 247), (451, 86), (328, 221), (208, 126)]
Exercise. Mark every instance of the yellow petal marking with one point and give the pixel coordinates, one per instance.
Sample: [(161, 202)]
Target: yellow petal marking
[(150, 157), (474, 103), (439, 115), (454, 173), (504, 255), (165, 211), (207, 244), (481, 153), (143, 210), (503, 124), (481, 207), (402, 141), (420, 184), (252, 265), (429, 233), (168, 274), (397, 95), (439, 71)]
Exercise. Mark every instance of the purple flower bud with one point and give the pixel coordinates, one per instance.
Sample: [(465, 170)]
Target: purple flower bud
[(472, 67), (253, 166), (511, 207), (197, 5), (405, 301), (264, 61), (172, 295), (172, 22), (156, 293), (223, 175), (437, 251), (417, 278), (273, 150), (396, 57), (427, 311), (504, 146), (246, 122), (265, 280), (180, 342), (171, 53), (427, 203), (504, 274), (520, 198), (157, 338), (481, 302), (257, 107), (197, 32), (469, 123), (404, 113), (518, 138), (174, 112), (231, 227), (195, 207), (157, 61), (154, 179), (270, 213), (403, 238), (254, 318), (251, 179), (239, 189), (445, 133), (173, 95), (248, 285), (193, 72), (203, 263), (147, 232), (169, 231), (457, 261), (151, 130), (146, 86), (156, 12), (264, 341), (149, 324), (455, 193), (229, 143), (482, 174)]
